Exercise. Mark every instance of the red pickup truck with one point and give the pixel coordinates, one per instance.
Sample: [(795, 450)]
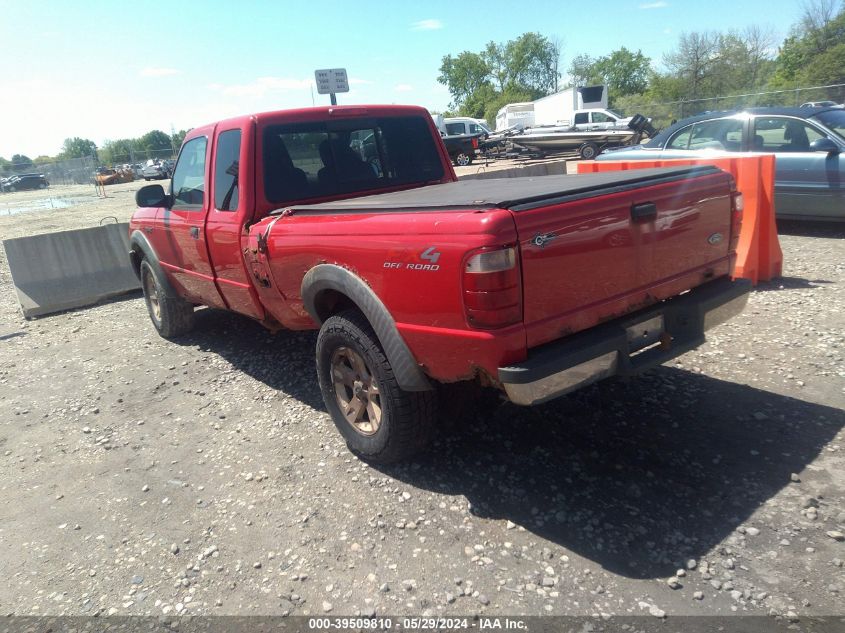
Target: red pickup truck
[(350, 219)]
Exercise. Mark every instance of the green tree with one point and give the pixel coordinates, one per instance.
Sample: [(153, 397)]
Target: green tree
[(177, 138), (624, 72), (119, 151), (5, 166), (464, 75), (43, 160), (582, 70), (156, 143), (21, 163), (531, 63), (526, 66), (77, 148), (812, 53), (693, 61)]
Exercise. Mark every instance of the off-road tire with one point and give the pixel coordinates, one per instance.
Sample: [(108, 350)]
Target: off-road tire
[(407, 417), (174, 316)]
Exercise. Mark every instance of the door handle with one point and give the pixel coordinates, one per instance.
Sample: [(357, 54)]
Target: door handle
[(195, 232), (644, 211)]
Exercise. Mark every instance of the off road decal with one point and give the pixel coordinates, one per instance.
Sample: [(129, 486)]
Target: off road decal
[(431, 254)]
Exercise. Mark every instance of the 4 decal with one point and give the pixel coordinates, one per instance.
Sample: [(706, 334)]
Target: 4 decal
[(430, 254)]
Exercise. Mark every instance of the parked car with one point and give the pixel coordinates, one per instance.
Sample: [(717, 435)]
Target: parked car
[(809, 144), (23, 182), (819, 104), (155, 171), (105, 176)]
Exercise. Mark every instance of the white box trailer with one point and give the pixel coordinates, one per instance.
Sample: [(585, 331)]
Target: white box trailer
[(557, 109), (519, 115)]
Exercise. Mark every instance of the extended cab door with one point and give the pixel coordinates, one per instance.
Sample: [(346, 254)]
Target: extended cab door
[(182, 247), (232, 204)]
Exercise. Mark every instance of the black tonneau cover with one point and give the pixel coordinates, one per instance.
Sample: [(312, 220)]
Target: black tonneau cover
[(508, 193)]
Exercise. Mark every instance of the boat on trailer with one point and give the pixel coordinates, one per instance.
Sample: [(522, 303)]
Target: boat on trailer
[(588, 142)]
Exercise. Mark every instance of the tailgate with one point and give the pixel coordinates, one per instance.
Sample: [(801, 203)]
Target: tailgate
[(595, 255)]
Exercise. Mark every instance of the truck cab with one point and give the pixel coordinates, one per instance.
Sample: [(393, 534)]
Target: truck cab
[(459, 126), (598, 119)]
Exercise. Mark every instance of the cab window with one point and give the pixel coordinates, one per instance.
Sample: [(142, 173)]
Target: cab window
[(226, 170), (601, 117), (311, 160), (188, 185)]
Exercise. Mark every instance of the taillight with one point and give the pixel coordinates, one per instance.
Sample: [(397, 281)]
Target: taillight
[(492, 288), (475, 142), (737, 204)]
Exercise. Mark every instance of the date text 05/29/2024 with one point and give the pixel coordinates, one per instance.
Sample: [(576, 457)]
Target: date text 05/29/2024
[(417, 624)]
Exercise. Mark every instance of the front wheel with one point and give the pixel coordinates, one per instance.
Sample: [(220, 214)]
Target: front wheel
[(463, 159), (380, 421), (171, 316)]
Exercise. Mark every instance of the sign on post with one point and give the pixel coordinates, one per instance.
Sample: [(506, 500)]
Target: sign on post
[(330, 81)]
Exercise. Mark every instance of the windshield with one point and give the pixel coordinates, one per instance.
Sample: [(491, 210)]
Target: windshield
[(616, 113), (833, 120)]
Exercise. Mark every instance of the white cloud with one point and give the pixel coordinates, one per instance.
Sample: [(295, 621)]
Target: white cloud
[(263, 86), (403, 87), (152, 71), (427, 25), (654, 5)]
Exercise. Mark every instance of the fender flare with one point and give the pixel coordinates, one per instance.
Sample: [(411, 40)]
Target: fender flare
[(331, 277), (139, 242)]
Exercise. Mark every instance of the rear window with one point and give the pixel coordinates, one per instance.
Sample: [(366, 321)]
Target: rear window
[(311, 160)]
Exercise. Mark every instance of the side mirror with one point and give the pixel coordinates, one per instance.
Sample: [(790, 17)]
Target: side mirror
[(152, 196), (824, 145)]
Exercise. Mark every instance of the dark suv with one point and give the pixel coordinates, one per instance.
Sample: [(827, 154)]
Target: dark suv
[(23, 182)]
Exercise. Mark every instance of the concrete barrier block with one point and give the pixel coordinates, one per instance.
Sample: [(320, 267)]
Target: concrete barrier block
[(70, 269), (556, 168)]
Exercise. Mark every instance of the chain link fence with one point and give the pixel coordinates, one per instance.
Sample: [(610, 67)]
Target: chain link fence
[(664, 113), (78, 171)]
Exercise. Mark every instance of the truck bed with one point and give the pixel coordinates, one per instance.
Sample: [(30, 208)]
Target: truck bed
[(591, 247), (516, 194)]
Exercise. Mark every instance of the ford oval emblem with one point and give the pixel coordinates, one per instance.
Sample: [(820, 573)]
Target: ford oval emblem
[(714, 239)]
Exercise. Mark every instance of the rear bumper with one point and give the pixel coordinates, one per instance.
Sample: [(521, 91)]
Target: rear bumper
[(625, 346)]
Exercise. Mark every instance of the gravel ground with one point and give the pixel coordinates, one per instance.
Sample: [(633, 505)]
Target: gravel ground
[(141, 476)]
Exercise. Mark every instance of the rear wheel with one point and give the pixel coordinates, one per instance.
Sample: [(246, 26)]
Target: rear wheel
[(379, 420), (463, 159), (589, 151), (171, 316)]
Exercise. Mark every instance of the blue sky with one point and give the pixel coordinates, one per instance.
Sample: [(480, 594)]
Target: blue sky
[(106, 70)]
